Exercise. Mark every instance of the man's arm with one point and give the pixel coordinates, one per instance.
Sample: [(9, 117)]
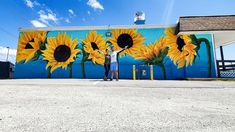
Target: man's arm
[(100, 52), (122, 49)]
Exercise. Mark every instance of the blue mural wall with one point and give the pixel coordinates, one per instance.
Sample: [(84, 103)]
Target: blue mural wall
[(80, 54)]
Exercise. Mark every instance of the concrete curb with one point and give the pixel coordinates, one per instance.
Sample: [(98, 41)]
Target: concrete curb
[(211, 79)]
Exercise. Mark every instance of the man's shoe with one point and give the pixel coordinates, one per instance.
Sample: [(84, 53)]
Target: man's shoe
[(105, 78), (111, 79)]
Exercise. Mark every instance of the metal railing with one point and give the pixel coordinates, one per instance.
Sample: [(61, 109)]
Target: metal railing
[(226, 68)]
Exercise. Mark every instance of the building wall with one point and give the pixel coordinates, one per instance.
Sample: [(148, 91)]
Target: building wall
[(6, 70), (79, 53)]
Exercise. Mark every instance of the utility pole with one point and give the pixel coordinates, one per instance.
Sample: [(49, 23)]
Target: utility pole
[(8, 48)]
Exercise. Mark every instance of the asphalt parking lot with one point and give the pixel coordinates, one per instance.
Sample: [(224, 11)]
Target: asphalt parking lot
[(93, 105)]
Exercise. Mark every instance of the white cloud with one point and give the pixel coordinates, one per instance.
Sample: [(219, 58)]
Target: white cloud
[(89, 13), (95, 4), (36, 3), (31, 3), (48, 16), (37, 23), (11, 55), (71, 12), (67, 20)]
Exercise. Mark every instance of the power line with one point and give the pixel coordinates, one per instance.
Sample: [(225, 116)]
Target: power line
[(9, 33), (18, 14)]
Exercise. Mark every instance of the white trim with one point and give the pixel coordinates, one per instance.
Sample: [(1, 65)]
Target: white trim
[(214, 49), (107, 27), (228, 43)]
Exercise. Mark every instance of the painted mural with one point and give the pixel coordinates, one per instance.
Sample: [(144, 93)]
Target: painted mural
[(80, 53)]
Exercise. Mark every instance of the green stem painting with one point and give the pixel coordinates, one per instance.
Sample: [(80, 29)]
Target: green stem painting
[(163, 70), (49, 72), (71, 70), (200, 40), (83, 69)]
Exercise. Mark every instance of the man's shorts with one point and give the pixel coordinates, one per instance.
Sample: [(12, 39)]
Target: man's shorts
[(114, 66)]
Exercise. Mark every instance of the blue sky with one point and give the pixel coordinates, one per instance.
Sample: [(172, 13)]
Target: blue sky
[(35, 13)]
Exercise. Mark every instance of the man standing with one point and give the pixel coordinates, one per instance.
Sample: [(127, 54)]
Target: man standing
[(114, 64), (107, 64)]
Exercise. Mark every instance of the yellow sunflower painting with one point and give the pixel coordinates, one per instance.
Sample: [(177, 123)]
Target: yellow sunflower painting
[(126, 37), (29, 44), (95, 46), (60, 51), (148, 52), (144, 52), (181, 49), (153, 54), (159, 46)]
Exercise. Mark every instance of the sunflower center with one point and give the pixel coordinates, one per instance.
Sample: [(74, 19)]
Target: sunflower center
[(62, 53), (180, 43), (125, 40), (94, 46), (28, 45)]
